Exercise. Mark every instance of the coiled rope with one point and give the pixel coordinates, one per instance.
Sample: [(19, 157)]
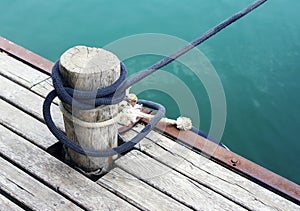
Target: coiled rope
[(116, 92), (86, 100), (100, 153)]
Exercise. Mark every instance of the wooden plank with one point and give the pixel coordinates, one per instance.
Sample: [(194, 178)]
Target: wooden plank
[(212, 169), (25, 55), (28, 77), (26, 126), (27, 100), (43, 88), (174, 184), (235, 162), (30, 192), (20, 72), (57, 175), (20, 96), (212, 175), (139, 193), (7, 205)]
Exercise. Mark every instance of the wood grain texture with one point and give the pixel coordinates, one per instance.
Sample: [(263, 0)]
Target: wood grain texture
[(26, 126), (212, 175), (58, 175), (137, 192), (85, 68), (183, 189), (189, 164), (28, 101), (19, 72), (29, 191), (25, 55), (42, 89), (7, 205)]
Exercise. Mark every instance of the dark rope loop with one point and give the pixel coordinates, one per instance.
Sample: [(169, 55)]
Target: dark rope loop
[(116, 92), (86, 100), (100, 153)]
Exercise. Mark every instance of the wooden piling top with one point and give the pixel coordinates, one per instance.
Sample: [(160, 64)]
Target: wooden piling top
[(162, 175), (88, 68)]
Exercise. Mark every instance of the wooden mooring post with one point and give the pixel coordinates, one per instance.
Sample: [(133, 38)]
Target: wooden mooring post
[(85, 68)]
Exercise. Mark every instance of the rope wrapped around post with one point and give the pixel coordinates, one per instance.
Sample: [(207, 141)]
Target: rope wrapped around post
[(106, 96), (116, 92)]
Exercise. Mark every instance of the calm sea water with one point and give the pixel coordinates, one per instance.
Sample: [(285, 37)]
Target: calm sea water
[(257, 60)]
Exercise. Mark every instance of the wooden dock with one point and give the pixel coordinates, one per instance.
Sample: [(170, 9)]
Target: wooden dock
[(162, 175)]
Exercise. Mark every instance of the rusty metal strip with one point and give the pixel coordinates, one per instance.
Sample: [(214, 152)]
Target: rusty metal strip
[(26, 56), (228, 159), (235, 162), (126, 128)]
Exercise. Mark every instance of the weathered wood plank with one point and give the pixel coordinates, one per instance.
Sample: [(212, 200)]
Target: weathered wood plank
[(57, 175), (214, 176), (27, 100), (139, 193), (25, 55), (29, 191), (20, 72), (26, 126), (7, 205), (28, 77), (43, 88), (170, 182)]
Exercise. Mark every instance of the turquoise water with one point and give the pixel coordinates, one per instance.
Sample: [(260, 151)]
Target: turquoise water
[(257, 60)]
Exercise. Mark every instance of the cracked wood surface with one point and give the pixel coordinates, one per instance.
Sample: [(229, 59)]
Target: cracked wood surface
[(138, 192), (21, 117), (6, 204), (19, 72), (164, 175), (183, 189), (27, 100), (57, 175), (36, 132), (43, 88), (29, 192), (219, 179)]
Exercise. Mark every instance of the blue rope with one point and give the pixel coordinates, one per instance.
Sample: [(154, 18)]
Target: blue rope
[(168, 59), (116, 92), (100, 153), (85, 100)]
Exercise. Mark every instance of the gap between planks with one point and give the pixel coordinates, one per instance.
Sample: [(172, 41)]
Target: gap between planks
[(19, 72), (219, 179), (173, 183), (27, 101), (38, 81), (31, 104), (57, 175), (7, 204), (139, 193), (29, 192)]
